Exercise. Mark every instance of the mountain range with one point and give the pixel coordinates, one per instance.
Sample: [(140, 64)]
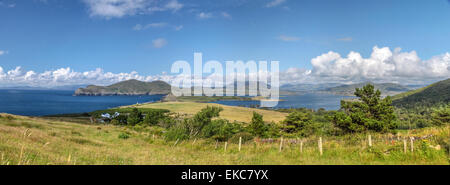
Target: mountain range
[(129, 87)]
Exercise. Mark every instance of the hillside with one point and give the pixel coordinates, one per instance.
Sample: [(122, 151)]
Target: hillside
[(349, 90), (437, 93), (39, 141), (129, 87)]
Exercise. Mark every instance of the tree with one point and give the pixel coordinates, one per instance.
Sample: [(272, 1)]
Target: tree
[(152, 117), (441, 116), (257, 126), (369, 113), (299, 122), (135, 117), (201, 119)]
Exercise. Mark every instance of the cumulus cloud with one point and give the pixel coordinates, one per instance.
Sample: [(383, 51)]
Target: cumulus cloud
[(275, 3), (382, 65), (67, 76), (3, 52), (119, 8), (159, 43)]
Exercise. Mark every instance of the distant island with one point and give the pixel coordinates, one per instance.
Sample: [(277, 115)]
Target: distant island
[(128, 88)]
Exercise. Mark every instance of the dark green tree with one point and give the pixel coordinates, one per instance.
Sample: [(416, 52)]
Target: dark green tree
[(441, 116), (201, 119), (369, 113), (257, 126), (135, 117), (153, 117), (300, 122)]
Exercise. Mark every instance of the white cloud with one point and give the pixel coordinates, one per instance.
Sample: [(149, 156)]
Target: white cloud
[(3, 52), (275, 3), (174, 5), (139, 27), (382, 65), (288, 38), (159, 43), (67, 76), (204, 15), (119, 8), (116, 8)]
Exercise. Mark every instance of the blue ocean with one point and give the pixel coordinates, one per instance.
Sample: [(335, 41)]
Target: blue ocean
[(310, 101), (51, 102)]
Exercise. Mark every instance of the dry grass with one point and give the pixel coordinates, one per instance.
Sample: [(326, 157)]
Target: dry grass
[(31, 141), (231, 113)]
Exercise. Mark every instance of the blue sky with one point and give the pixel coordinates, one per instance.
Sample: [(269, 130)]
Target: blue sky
[(147, 36)]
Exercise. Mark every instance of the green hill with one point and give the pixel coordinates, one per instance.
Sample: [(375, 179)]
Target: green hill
[(129, 87), (437, 93), (385, 88)]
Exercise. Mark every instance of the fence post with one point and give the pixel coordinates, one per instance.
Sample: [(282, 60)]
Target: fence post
[(217, 142), (320, 146), (301, 146), (176, 142), (412, 144), (404, 145), (281, 144), (153, 136), (226, 143), (240, 142), (195, 140), (370, 140)]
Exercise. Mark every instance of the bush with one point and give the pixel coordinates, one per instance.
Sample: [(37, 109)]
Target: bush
[(124, 135), (135, 117), (441, 116), (300, 123), (178, 131), (120, 120), (220, 130), (153, 117), (202, 119)]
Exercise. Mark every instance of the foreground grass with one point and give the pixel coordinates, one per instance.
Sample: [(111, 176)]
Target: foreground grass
[(31, 141), (231, 113)]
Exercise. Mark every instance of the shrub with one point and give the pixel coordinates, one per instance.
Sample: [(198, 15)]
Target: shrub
[(201, 119), (135, 117), (301, 123), (153, 117), (178, 131), (220, 130), (441, 116), (124, 135), (120, 120)]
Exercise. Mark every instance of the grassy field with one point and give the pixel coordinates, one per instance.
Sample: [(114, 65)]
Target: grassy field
[(30, 141), (231, 113)]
